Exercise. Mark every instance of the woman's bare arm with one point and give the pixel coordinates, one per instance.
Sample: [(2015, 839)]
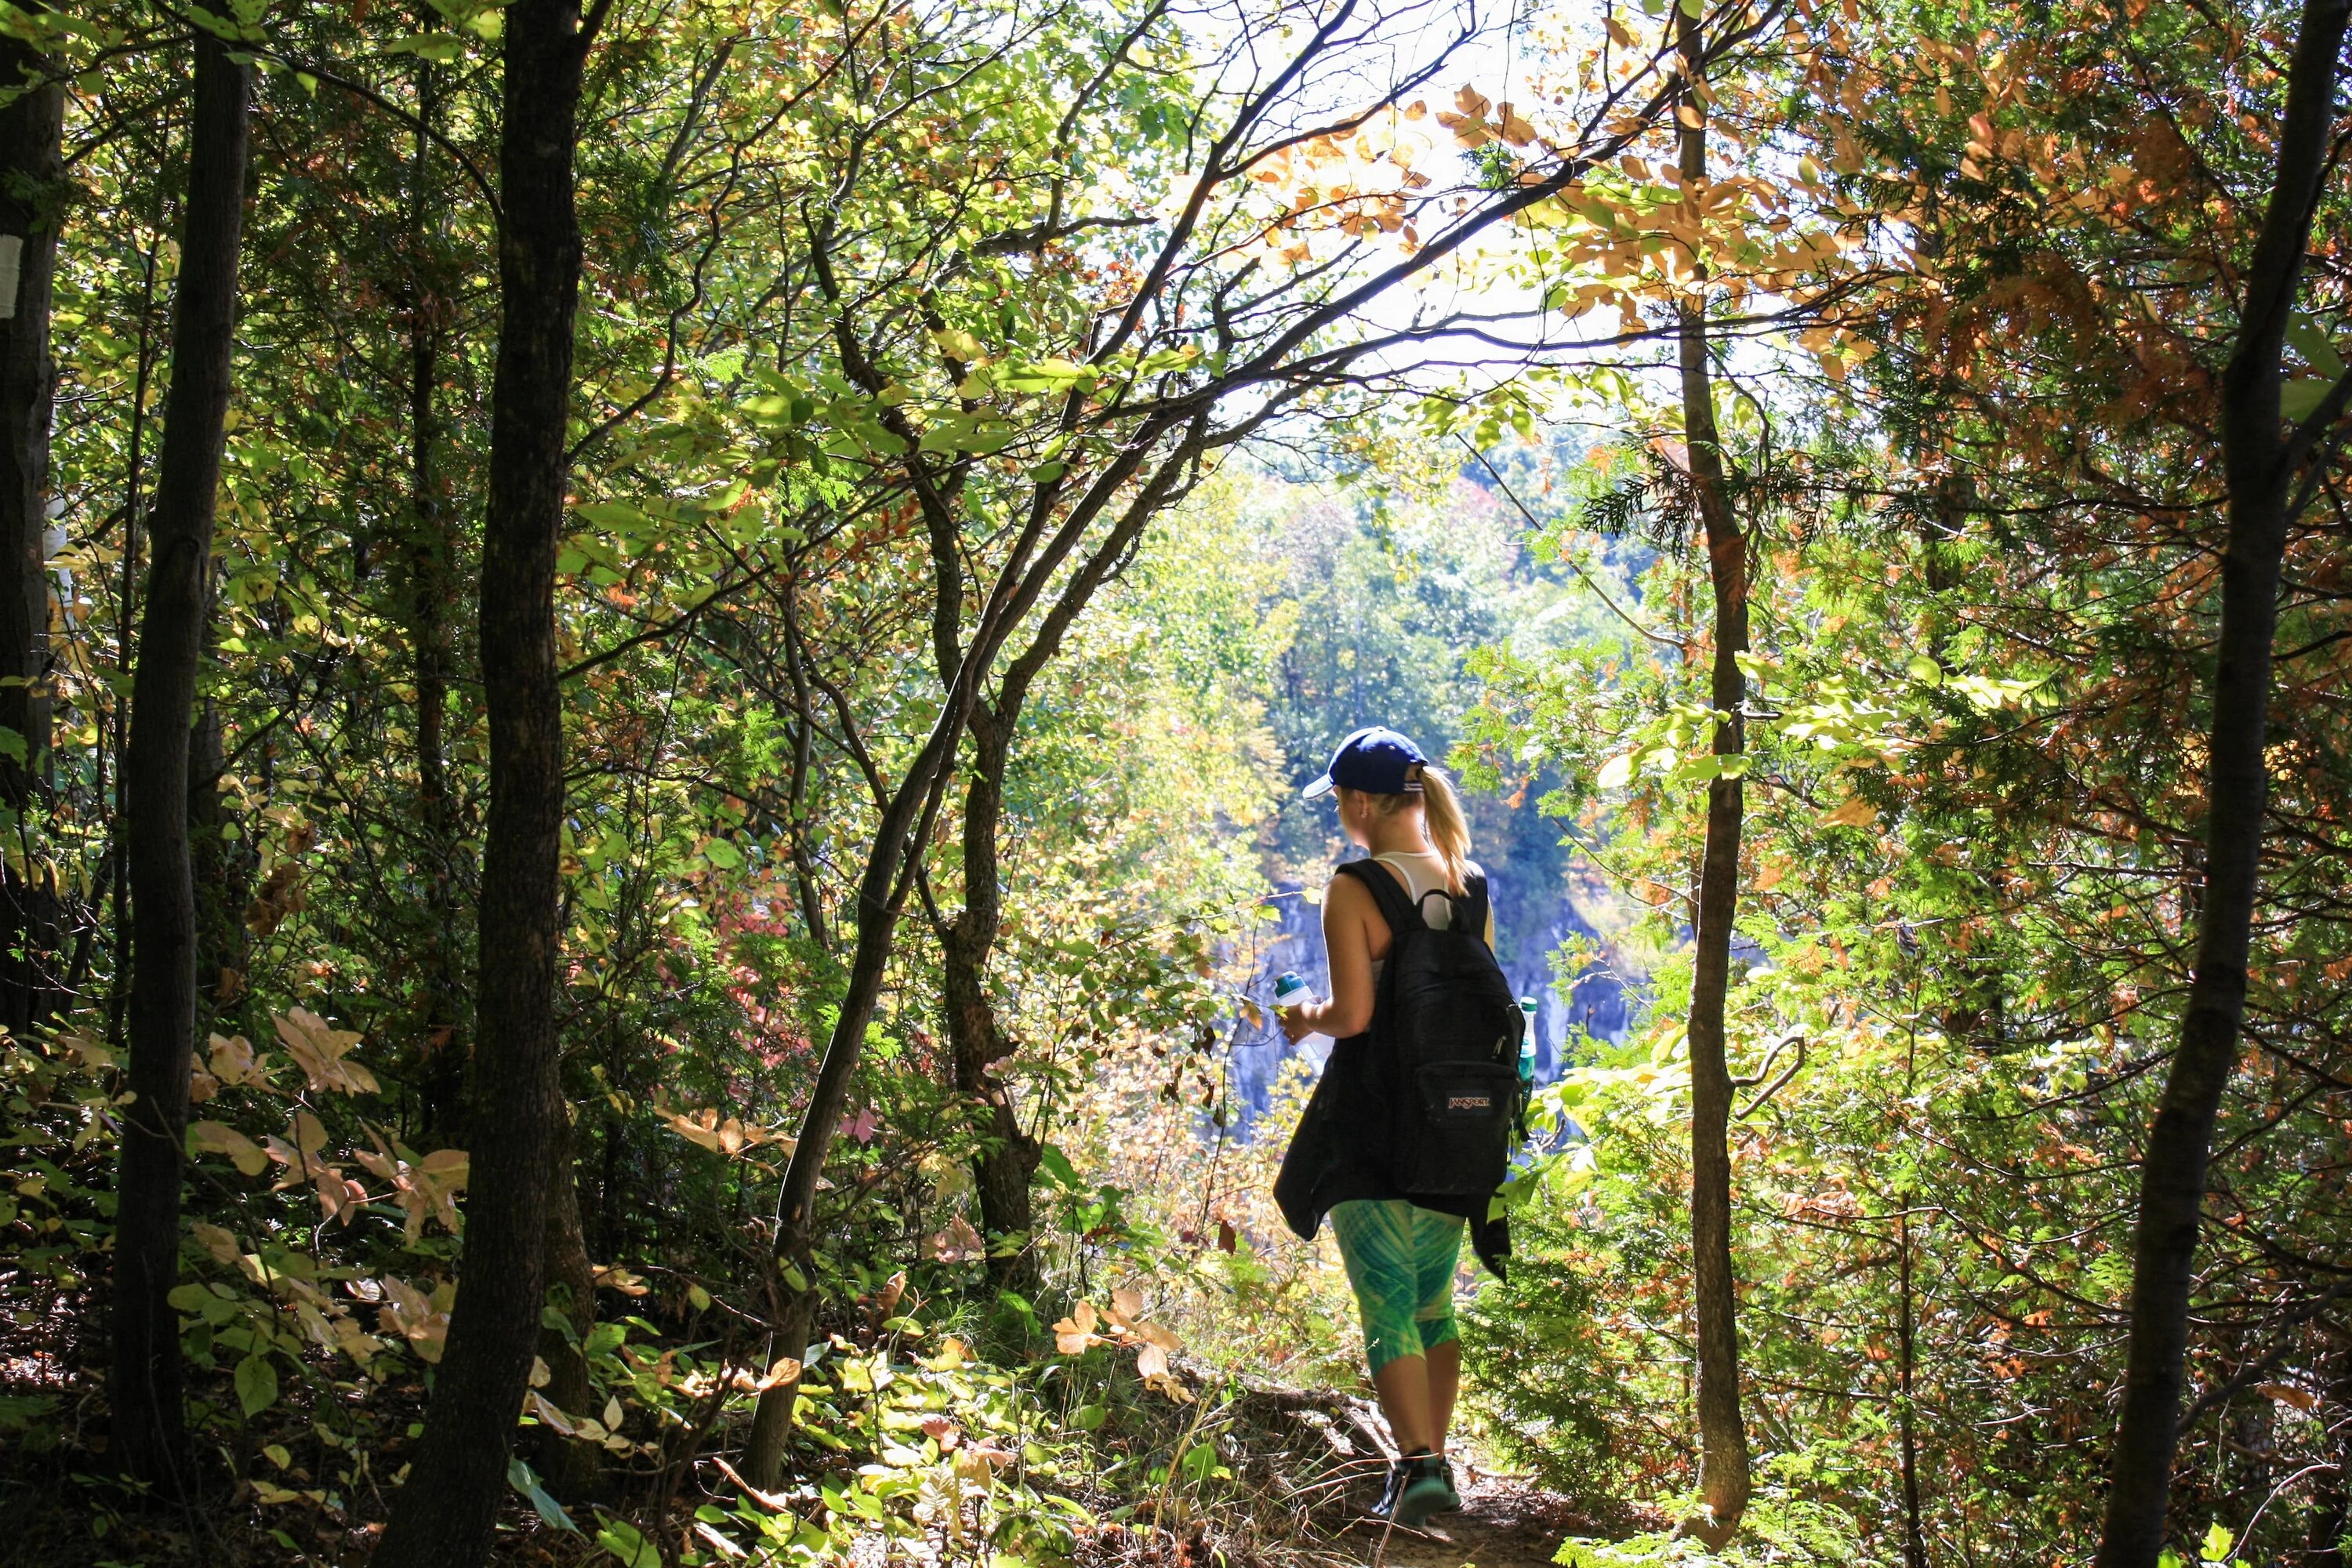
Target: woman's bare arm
[(1348, 915)]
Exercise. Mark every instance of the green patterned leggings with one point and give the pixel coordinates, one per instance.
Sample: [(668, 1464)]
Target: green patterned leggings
[(1400, 1260)]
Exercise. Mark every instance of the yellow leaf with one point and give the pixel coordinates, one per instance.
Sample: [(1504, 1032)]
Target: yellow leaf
[(2287, 1394), (1855, 813), (215, 1138), (233, 1061), (318, 1051), (961, 345), (424, 1321), (308, 1136), (538, 1405)]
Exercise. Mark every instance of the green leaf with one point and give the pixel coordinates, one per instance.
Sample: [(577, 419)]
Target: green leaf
[(960, 345), (620, 1538), (612, 514), (1045, 376), (1925, 670), (2309, 338), (439, 47), (1617, 772), (2217, 1543), (1056, 1164), (257, 1384), (520, 1477), (722, 853), (2301, 398)]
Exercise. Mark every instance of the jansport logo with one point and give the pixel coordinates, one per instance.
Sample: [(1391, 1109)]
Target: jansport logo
[(1471, 1102)]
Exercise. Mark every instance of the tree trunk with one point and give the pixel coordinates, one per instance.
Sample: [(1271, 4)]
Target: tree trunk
[(441, 1075), (2259, 469), (905, 826), (572, 1467), (1008, 1158), (149, 1441), (221, 869), (443, 1516), (134, 500), (32, 190), (1915, 1540), (793, 1285), (1723, 1479)]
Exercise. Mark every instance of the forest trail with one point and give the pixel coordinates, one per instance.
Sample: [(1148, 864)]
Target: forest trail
[(1507, 1521)]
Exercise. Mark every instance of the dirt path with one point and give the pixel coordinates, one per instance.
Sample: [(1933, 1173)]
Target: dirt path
[(1506, 1523)]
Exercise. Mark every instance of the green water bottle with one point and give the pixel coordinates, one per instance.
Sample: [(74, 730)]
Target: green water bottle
[(1527, 1045)]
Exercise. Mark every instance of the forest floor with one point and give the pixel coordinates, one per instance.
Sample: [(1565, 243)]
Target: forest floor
[(1315, 1460), (1507, 1521)]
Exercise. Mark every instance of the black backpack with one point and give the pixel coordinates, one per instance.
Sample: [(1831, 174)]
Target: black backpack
[(1445, 1045)]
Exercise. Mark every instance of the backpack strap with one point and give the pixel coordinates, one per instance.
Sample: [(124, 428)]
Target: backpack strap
[(1476, 904), (1381, 883)]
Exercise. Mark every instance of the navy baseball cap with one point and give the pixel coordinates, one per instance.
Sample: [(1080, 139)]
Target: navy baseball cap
[(1376, 761)]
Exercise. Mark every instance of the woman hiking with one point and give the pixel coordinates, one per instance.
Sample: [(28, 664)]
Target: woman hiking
[(1400, 1246)]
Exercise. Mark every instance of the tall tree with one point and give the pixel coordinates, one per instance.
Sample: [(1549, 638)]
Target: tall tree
[(1008, 1157), (150, 1440), (1723, 1479), (429, 581), (2263, 463), (32, 190), (444, 1515)]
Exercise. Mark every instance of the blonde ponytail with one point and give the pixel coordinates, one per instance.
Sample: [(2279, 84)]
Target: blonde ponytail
[(1448, 833)]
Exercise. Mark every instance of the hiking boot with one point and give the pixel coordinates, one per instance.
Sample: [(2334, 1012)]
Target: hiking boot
[(1418, 1484), (1393, 1488), (1452, 1503)]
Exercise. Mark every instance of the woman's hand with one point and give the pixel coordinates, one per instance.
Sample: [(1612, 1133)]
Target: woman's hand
[(1296, 1023)]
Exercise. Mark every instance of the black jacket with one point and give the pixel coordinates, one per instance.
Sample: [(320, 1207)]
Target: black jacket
[(1335, 1156)]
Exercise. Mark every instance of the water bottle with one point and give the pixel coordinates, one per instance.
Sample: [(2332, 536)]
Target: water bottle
[(1528, 1043), (1289, 990)]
